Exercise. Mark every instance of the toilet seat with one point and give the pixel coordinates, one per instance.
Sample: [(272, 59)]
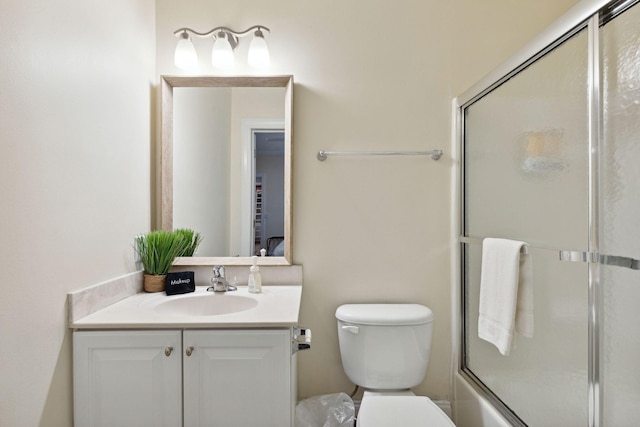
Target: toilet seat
[(405, 411)]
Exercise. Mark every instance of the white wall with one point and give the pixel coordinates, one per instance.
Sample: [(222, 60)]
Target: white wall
[(201, 184), (75, 107)]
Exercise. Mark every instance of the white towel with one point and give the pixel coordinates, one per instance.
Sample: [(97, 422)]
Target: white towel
[(506, 293)]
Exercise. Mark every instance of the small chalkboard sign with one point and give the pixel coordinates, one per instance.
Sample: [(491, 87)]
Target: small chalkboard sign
[(180, 283)]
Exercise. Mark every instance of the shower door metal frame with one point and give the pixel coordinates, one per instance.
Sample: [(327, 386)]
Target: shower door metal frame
[(594, 289), (589, 15)]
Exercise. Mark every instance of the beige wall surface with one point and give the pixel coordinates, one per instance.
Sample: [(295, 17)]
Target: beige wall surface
[(75, 107), (486, 33), (369, 76)]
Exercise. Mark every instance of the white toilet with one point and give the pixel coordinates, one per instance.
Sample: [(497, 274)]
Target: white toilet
[(385, 349)]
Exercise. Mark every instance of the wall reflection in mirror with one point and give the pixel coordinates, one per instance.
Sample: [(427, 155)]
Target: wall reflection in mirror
[(230, 167)]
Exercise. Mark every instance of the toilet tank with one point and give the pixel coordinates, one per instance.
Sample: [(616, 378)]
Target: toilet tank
[(385, 346)]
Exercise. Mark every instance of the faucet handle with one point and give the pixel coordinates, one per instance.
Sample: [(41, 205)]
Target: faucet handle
[(218, 271)]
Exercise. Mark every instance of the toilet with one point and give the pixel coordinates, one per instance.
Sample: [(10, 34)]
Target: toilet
[(385, 350)]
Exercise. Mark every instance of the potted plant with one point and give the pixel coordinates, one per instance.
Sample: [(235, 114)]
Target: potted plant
[(158, 249), (190, 240)]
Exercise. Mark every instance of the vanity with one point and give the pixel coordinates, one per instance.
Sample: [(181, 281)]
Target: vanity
[(198, 359), (204, 358)]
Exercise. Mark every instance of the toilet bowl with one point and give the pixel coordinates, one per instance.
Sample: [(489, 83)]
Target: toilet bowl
[(385, 349)]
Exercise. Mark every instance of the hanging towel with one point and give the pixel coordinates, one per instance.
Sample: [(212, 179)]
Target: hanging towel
[(506, 293)]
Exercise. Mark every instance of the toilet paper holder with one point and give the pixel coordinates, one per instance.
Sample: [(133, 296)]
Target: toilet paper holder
[(300, 339)]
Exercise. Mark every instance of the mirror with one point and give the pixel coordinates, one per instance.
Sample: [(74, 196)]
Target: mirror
[(225, 166)]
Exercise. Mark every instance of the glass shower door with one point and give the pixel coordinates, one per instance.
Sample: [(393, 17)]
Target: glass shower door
[(526, 178), (551, 156), (620, 219)]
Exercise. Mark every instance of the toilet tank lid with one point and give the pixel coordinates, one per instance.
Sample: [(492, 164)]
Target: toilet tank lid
[(385, 314)]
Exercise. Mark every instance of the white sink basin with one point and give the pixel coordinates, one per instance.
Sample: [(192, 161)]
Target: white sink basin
[(207, 304)]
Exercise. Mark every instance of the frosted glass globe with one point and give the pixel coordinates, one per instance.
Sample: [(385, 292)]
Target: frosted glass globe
[(185, 57), (259, 53), (222, 54)]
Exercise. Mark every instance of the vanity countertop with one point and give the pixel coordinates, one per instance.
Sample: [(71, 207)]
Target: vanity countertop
[(276, 307)]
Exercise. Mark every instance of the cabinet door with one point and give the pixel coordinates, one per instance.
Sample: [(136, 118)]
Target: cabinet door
[(237, 378), (127, 378)]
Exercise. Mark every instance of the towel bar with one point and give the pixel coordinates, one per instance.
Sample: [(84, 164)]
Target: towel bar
[(576, 256), (478, 241), (435, 154)]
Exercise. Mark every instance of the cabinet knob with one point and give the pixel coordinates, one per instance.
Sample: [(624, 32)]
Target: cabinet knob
[(168, 351), (189, 350)]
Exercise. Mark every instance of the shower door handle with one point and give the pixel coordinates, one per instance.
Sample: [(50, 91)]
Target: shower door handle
[(620, 261)]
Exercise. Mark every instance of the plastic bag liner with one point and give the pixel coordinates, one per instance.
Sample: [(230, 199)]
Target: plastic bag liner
[(327, 410)]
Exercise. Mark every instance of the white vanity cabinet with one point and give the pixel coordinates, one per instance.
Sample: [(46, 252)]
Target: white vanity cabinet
[(127, 378), (226, 378), (238, 378)]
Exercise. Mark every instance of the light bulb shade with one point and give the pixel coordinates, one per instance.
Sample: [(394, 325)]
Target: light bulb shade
[(185, 56), (222, 54), (259, 52)]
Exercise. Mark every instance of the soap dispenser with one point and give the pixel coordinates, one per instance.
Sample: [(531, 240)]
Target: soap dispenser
[(255, 280)]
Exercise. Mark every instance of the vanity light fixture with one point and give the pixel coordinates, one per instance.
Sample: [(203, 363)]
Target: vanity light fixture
[(225, 41), (222, 53), (258, 51), (185, 56)]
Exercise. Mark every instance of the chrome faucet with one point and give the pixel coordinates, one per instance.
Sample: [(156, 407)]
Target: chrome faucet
[(219, 282)]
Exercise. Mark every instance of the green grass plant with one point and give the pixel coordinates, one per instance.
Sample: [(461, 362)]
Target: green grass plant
[(190, 241), (158, 249)]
